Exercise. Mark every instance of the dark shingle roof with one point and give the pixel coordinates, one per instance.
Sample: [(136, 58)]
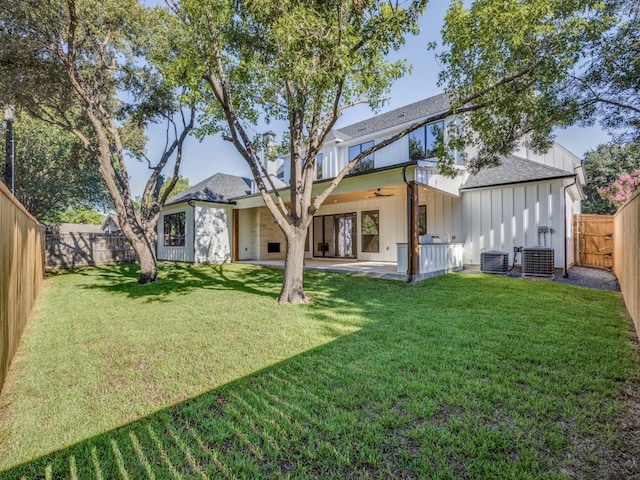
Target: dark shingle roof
[(408, 113), (513, 170), (219, 188)]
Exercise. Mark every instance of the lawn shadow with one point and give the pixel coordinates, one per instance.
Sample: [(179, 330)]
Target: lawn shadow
[(182, 278), (429, 387)]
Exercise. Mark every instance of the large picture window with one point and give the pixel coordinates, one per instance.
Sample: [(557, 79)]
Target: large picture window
[(423, 141), (371, 231), (174, 228), (366, 163)]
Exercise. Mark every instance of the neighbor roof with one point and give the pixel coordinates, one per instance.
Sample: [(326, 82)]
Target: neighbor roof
[(219, 188), (408, 113), (513, 170)]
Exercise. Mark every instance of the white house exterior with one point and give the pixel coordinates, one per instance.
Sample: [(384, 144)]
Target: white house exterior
[(196, 226), (397, 207)]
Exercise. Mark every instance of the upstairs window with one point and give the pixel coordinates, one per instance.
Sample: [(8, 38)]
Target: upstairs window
[(366, 163), (422, 141), (319, 166), (174, 230)]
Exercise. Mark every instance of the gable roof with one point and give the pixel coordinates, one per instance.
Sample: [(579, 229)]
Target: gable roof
[(408, 113), (513, 170), (219, 188)]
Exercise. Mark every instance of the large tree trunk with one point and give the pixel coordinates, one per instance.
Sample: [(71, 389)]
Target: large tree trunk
[(147, 258), (292, 288)]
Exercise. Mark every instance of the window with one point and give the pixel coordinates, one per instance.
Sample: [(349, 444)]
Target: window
[(365, 163), (422, 219), (423, 140), (319, 162), (174, 229), (371, 231)]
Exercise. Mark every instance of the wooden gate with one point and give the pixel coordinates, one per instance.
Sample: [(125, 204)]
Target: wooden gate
[(593, 240)]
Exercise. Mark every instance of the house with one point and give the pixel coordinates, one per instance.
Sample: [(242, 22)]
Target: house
[(110, 224), (197, 225), (394, 206)]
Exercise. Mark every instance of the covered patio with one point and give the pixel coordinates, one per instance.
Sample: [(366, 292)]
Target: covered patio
[(387, 270)]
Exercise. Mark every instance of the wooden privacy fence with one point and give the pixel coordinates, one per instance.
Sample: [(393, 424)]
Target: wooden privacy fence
[(626, 264), (71, 250), (593, 240), (21, 273)]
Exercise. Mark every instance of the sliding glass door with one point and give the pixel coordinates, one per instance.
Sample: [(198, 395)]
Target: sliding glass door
[(335, 236)]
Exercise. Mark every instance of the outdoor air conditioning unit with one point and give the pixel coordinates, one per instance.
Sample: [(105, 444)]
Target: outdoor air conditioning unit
[(494, 261), (538, 262)]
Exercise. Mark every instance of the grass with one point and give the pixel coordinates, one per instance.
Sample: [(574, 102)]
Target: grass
[(202, 375)]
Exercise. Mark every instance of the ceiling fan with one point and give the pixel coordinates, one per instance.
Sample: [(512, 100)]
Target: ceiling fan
[(378, 193)]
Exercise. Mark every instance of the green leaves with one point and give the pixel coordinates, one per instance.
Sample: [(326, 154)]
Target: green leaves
[(278, 57), (515, 60)]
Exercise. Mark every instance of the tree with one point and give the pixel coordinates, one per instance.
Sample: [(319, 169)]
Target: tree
[(523, 68), (299, 62), (603, 166), (87, 67), (609, 80), (622, 189), (180, 186), (80, 215), (53, 171)]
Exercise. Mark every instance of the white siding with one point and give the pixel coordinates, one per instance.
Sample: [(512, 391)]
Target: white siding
[(176, 254), (336, 155), (557, 156), (505, 217), (393, 224), (443, 217)]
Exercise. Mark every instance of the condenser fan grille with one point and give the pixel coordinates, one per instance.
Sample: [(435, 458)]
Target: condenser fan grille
[(494, 262), (538, 262)]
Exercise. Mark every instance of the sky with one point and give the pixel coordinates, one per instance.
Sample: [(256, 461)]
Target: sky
[(213, 155)]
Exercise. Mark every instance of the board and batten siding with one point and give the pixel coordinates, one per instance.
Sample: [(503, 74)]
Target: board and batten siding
[(443, 214), (336, 154), (502, 218), (557, 156), (176, 254)]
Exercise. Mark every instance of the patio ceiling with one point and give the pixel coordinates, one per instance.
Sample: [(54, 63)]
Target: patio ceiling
[(399, 190)]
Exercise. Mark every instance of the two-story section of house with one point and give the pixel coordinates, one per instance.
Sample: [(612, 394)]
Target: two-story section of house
[(395, 206)]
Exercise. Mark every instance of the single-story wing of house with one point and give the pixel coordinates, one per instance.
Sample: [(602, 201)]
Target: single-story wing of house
[(394, 206)]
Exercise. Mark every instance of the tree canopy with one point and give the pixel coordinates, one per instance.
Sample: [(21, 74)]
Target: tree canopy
[(53, 172), (300, 62), (603, 166), (87, 66), (523, 68), (80, 215)]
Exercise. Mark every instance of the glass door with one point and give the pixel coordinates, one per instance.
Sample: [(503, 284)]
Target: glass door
[(345, 231), (335, 236)]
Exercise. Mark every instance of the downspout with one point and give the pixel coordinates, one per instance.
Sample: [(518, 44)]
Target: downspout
[(565, 273), (193, 204), (409, 233)]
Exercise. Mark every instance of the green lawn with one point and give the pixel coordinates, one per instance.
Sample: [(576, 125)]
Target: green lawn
[(202, 375)]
